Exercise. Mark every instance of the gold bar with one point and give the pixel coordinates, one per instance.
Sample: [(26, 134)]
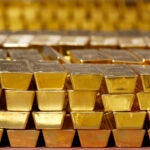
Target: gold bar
[(13, 120), (48, 120), (129, 120), (19, 100), (81, 74), (15, 75), (86, 119), (87, 56), (49, 75), (117, 102), (120, 56), (128, 138), (51, 100), (3, 54), (23, 138), (82, 100), (58, 138), (119, 78), (94, 138)]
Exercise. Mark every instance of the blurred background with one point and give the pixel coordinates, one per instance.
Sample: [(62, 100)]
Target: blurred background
[(104, 15)]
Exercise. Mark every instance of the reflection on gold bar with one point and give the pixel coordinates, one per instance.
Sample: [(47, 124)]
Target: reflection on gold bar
[(81, 74), (49, 75), (120, 56), (1, 134), (120, 102), (86, 119), (119, 78), (13, 120), (58, 138), (23, 138), (82, 100), (143, 100), (51, 100), (129, 120), (88, 56), (94, 138), (19, 100), (48, 120), (128, 138)]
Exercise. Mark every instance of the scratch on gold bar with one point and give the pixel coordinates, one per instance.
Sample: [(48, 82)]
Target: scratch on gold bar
[(128, 138), (119, 78), (1, 134), (3, 54), (82, 100), (120, 56), (23, 138), (19, 100), (86, 119), (117, 102), (80, 74), (49, 75), (13, 120), (129, 120), (94, 138), (58, 138), (15, 75), (51, 100), (48, 120), (88, 56)]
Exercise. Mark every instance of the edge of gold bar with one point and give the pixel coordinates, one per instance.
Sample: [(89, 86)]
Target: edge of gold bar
[(51, 100), (48, 120), (23, 138), (148, 114), (128, 138), (149, 133), (118, 102), (58, 138), (81, 100), (143, 100), (13, 120), (86, 119), (17, 100), (129, 120), (1, 134), (94, 138)]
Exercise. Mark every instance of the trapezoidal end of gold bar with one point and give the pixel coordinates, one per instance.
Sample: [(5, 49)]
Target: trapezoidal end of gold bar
[(145, 78)]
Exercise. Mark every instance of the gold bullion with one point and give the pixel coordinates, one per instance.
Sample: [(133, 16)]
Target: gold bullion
[(49, 120), (82, 100), (128, 138), (23, 138), (129, 120), (86, 119), (13, 120), (51, 100), (19, 100), (117, 102)]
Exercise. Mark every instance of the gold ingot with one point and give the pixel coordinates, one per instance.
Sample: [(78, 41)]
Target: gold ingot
[(126, 138), (143, 100), (82, 100), (120, 102), (48, 120), (1, 134), (129, 120), (19, 100), (13, 120), (58, 138), (51, 100), (86, 119), (23, 138)]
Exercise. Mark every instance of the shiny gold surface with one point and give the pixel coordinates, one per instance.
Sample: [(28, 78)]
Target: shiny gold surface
[(117, 102), (58, 138), (51, 100), (13, 120), (23, 138), (19, 100), (82, 100), (48, 120), (86, 119), (129, 120)]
